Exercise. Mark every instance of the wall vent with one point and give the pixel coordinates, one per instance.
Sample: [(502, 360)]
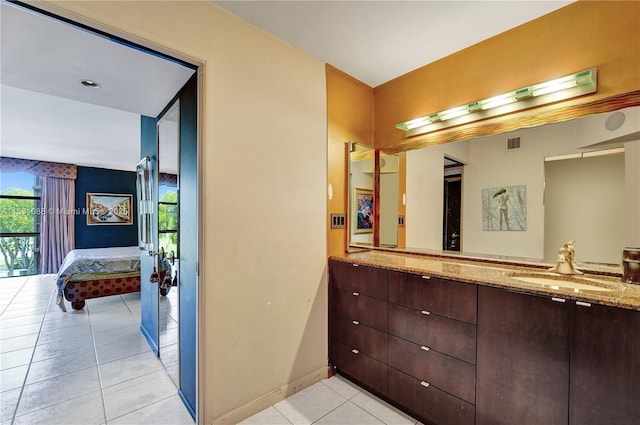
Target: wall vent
[(338, 221), (513, 143)]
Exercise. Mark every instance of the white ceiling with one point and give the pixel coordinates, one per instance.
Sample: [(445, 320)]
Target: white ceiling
[(376, 41), (47, 114), (47, 56)]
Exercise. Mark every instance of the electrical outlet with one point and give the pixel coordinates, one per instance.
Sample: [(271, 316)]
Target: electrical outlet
[(338, 221)]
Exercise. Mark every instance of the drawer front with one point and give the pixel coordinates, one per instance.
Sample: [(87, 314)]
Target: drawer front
[(444, 297), (432, 404), (447, 373), (448, 336), (367, 310), (365, 339), (363, 368), (357, 278)]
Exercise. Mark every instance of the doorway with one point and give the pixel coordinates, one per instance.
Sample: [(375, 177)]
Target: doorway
[(123, 84)]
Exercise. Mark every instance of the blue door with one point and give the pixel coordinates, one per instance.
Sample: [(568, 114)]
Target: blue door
[(187, 249), (148, 261), (189, 219)]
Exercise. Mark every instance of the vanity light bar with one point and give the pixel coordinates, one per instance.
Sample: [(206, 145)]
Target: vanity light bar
[(573, 85)]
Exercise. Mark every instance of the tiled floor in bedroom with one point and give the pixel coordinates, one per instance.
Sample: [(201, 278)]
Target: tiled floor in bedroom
[(94, 367), (91, 366)]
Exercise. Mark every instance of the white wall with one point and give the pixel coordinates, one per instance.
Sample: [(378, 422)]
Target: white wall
[(389, 188), (632, 193), (585, 202), (264, 172)]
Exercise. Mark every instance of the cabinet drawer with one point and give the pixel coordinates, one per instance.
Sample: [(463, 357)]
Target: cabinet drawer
[(357, 278), (367, 310), (354, 334), (429, 402), (452, 337), (361, 367), (447, 373), (444, 297)]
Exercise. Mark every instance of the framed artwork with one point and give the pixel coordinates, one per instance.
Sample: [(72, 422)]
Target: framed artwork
[(504, 208), (364, 210), (109, 209)]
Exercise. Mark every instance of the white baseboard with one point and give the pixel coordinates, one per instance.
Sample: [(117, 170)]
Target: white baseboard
[(251, 408)]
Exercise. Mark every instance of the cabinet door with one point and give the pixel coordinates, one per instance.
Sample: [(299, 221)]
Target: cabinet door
[(444, 297), (366, 310), (445, 372), (428, 402), (360, 279), (368, 371), (452, 337), (605, 366), (523, 359), (365, 339)]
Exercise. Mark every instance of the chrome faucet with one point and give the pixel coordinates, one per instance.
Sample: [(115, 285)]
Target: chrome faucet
[(566, 260)]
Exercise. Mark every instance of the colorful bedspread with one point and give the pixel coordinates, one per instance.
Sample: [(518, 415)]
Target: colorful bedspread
[(96, 263)]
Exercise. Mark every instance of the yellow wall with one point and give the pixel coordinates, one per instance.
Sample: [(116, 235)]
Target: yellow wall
[(582, 35), (264, 135), (350, 117)]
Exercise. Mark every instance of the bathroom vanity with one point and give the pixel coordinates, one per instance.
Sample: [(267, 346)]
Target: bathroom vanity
[(457, 342)]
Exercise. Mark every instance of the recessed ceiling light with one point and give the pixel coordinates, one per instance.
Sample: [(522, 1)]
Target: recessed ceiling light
[(89, 83)]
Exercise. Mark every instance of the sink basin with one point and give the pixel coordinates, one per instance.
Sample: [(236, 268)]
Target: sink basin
[(571, 282)]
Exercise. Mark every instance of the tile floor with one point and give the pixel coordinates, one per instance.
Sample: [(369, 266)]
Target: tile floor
[(333, 401), (91, 366), (114, 377)]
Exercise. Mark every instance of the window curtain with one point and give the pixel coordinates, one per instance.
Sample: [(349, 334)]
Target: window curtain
[(57, 233), (57, 197)]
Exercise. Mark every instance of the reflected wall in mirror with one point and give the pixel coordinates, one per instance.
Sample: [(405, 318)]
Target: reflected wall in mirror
[(389, 188), (361, 183), (489, 162), (584, 200), (168, 235)]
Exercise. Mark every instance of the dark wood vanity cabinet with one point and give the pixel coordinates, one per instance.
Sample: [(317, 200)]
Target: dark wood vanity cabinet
[(407, 337), (523, 359), (359, 316), (544, 360), (605, 366), (432, 347), (452, 353)]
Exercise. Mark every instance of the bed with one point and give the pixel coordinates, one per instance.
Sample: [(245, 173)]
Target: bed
[(97, 272)]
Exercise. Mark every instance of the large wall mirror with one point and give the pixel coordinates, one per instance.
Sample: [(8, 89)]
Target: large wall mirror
[(526, 192)]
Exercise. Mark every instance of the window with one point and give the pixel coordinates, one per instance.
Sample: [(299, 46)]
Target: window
[(20, 212), (168, 219)]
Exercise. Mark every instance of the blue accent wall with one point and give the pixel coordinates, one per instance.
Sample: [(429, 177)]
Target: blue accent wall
[(101, 180)]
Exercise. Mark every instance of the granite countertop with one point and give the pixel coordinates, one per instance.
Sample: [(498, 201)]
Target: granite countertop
[(605, 290)]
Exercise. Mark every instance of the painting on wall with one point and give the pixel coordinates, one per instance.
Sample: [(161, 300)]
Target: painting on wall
[(364, 210), (504, 208), (109, 208)]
